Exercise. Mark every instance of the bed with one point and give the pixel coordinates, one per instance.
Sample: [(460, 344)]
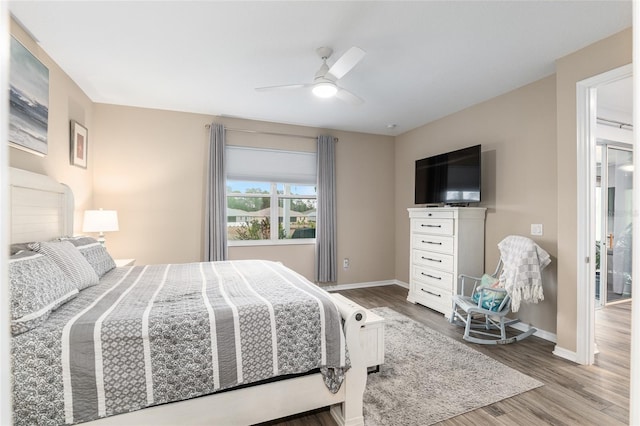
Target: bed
[(231, 343)]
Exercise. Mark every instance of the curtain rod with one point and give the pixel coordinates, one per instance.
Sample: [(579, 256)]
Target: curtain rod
[(614, 123), (258, 132)]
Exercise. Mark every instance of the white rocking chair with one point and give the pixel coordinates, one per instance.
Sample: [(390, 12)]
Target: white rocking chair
[(483, 311)]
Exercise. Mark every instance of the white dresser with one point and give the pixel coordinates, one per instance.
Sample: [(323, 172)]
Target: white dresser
[(445, 242)]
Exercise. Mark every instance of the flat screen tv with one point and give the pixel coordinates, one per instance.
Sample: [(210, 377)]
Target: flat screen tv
[(449, 178)]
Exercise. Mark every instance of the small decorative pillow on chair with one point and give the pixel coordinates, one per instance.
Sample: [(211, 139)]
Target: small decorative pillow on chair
[(70, 260), (489, 281), (490, 300)]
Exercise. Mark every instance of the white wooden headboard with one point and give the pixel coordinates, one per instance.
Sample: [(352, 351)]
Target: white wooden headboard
[(41, 208)]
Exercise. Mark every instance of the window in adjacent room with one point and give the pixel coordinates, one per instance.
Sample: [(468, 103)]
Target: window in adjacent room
[(271, 196)]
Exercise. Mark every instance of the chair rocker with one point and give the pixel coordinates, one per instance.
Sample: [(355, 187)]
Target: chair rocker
[(483, 312)]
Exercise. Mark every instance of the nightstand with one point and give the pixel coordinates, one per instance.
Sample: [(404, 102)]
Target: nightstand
[(124, 262)]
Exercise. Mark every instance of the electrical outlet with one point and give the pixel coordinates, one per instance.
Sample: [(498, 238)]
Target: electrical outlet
[(345, 263), (536, 229)]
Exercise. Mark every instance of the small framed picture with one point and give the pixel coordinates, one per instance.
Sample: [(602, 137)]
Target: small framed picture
[(79, 144)]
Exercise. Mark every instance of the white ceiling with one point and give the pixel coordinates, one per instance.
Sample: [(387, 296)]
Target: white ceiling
[(425, 59)]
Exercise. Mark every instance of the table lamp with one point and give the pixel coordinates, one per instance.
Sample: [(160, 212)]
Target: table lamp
[(100, 221)]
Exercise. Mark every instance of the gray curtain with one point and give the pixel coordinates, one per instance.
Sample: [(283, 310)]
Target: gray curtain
[(326, 234), (215, 222)]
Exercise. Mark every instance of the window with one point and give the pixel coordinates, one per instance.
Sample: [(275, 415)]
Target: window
[(252, 208), (266, 187)]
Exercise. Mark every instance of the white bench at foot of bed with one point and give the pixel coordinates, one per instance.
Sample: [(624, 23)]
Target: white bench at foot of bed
[(256, 404)]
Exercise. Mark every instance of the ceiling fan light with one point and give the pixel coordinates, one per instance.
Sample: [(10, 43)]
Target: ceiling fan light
[(324, 90)]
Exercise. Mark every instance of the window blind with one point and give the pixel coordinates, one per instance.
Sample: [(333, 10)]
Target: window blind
[(270, 165)]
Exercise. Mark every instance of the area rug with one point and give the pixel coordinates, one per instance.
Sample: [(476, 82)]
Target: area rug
[(428, 377)]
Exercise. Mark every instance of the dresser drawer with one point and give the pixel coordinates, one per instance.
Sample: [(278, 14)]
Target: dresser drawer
[(433, 297), (433, 226), (433, 277), (439, 243), (436, 214), (432, 259)]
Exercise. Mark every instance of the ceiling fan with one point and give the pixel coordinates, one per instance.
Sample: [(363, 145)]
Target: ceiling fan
[(325, 81)]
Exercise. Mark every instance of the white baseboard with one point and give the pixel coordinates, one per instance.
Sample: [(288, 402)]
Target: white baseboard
[(543, 334), (401, 284), (565, 353), (352, 286)]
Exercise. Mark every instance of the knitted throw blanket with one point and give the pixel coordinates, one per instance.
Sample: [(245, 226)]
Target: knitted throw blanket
[(521, 276)]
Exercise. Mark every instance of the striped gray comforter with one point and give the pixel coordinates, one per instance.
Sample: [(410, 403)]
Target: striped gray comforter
[(161, 333)]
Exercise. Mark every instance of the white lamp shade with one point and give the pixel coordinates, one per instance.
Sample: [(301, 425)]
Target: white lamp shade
[(100, 221)]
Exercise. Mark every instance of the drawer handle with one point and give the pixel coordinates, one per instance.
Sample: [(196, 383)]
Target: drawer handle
[(430, 226), (430, 259), (430, 276), (431, 293), (431, 242)]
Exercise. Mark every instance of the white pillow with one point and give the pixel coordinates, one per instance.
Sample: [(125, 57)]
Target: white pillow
[(70, 260)]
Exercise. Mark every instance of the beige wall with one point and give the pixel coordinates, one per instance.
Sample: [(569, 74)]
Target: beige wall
[(595, 59), (517, 133), (151, 164), (66, 102)]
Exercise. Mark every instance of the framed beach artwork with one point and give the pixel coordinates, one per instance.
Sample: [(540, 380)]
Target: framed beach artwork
[(28, 101), (79, 144)]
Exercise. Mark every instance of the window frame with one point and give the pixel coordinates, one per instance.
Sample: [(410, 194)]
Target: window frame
[(274, 197)]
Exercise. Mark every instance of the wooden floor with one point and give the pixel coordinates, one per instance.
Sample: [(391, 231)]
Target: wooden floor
[(572, 394)]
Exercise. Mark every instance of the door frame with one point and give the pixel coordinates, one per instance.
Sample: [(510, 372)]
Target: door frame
[(586, 106)]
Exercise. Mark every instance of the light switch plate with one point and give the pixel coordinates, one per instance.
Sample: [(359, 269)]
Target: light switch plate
[(536, 229)]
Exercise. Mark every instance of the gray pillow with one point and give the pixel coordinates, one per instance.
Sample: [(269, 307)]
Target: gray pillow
[(95, 253), (37, 287), (18, 247), (69, 259)]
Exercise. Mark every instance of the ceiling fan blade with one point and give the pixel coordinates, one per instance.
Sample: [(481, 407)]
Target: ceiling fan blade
[(346, 62), (347, 96), (285, 87)]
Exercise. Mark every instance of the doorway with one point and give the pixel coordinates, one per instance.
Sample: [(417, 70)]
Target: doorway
[(613, 221), (590, 130)]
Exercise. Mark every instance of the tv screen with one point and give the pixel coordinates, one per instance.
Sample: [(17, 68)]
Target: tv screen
[(449, 178)]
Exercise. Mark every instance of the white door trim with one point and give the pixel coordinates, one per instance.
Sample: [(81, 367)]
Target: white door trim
[(586, 105)]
